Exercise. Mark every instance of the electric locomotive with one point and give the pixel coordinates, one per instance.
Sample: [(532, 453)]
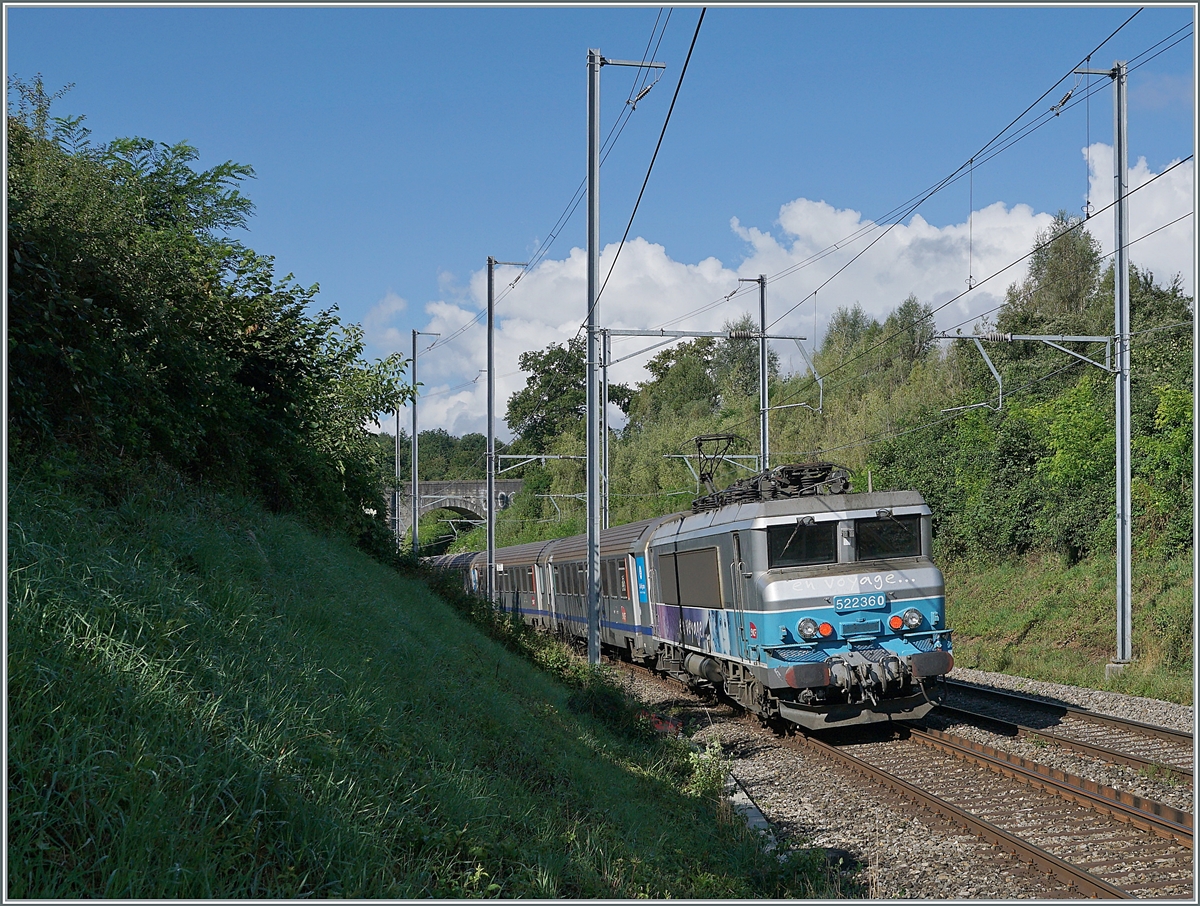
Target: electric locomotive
[(784, 593)]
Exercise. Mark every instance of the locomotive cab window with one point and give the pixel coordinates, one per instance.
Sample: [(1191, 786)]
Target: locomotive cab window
[(801, 545), (888, 536)]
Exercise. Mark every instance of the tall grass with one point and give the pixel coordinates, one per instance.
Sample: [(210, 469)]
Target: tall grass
[(1041, 619), (206, 700)]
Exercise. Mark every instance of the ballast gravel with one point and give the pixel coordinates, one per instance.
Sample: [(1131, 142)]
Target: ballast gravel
[(879, 846), (1147, 710)]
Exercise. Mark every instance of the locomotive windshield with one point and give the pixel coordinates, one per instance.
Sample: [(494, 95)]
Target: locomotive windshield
[(801, 545), (891, 536)]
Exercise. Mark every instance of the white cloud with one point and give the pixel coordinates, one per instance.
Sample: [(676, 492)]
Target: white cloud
[(649, 289), (378, 324), (1167, 252), (549, 305)]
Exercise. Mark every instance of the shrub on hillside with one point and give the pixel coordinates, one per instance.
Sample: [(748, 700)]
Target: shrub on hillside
[(139, 329)]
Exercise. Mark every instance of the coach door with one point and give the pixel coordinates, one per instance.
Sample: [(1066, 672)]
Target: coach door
[(737, 581)]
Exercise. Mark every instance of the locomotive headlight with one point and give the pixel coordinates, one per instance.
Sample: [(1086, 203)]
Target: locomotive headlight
[(912, 618), (807, 628)]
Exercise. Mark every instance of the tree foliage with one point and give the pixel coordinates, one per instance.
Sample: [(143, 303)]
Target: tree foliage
[(442, 456), (139, 328), (554, 398), (735, 362), (681, 382), (1061, 293)]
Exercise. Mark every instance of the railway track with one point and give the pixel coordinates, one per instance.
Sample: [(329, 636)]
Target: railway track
[(1095, 840), (1080, 836), (1157, 751)]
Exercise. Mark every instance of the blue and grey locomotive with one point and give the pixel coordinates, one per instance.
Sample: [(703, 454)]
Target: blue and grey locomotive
[(784, 593)]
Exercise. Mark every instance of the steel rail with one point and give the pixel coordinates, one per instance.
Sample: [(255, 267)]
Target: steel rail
[(1179, 737), (1160, 819), (1011, 728), (1074, 876)]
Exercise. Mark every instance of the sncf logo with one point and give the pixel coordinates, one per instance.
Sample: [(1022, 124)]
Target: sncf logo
[(753, 631)]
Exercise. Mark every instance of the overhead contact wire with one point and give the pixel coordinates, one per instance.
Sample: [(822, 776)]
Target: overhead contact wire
[(897, 214), (995, 274)]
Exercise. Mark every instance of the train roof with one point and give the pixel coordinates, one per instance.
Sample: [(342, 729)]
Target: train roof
[(523, 553), (624, 539), (614, 542), (756, 513), (454, 561)]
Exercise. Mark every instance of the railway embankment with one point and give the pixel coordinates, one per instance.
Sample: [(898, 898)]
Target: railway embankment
[(209, 700), (1041, 619)]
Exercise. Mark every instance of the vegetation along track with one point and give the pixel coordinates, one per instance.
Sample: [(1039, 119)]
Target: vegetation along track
[(1155, 750), (1094, 839)]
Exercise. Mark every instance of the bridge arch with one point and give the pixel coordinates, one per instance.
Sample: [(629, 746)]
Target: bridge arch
[(455, 505), (468, 498)]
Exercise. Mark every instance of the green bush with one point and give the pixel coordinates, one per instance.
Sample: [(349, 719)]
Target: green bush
[(137, 329)]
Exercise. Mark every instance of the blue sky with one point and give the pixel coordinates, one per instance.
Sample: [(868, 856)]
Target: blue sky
[(396, 148)]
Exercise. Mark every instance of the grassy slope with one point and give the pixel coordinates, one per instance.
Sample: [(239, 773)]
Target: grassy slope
[(1039, 619), (207, 700)]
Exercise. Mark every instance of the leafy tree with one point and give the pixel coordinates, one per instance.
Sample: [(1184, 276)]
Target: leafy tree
[(554, 397), (444, 457), (1077, 469), (913, 326), (1062, 283), (1163, 484), (849, 329), (1161, 348), (139, 329), (681, 382), (735, 362)]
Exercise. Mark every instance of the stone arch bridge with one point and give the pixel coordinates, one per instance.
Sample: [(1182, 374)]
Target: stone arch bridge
[(467, 498)]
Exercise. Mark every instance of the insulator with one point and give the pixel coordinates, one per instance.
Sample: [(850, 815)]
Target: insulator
[(997, 337), (742, 335)]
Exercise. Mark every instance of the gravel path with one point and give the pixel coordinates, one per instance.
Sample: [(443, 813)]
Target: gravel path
[(888, 848)]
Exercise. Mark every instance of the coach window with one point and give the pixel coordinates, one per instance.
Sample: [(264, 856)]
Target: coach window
[(888, 536), (801, 544), (622, 580)]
